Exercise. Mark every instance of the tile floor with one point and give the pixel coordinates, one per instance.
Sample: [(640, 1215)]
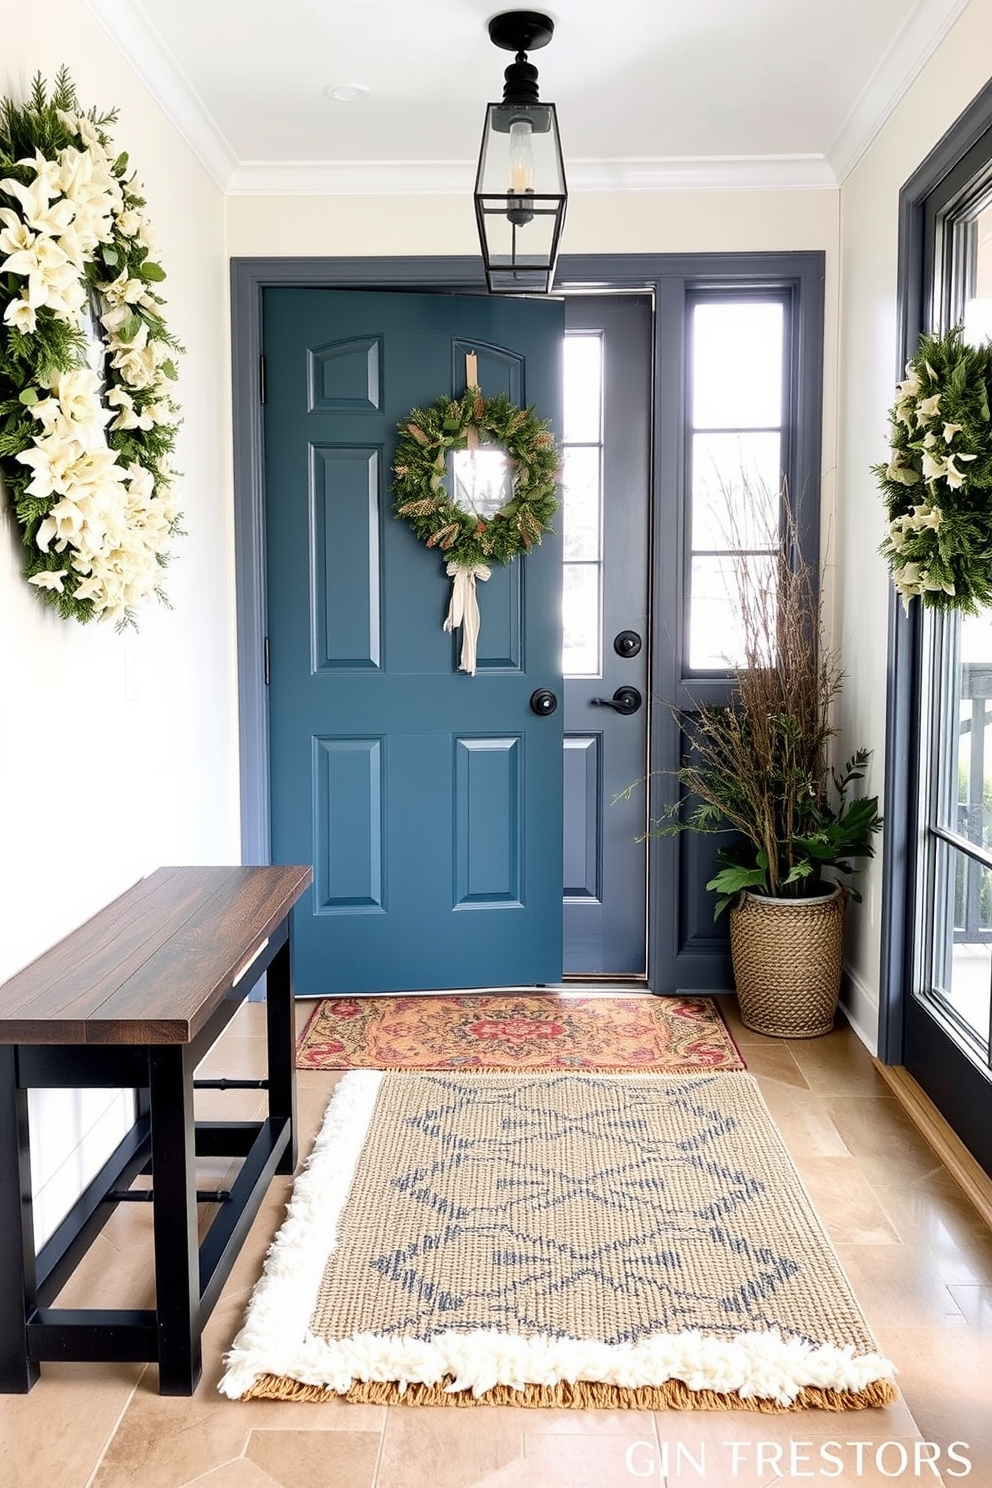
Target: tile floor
[(919, 1258)]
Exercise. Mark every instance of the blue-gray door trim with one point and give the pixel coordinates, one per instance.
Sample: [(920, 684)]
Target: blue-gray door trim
[(658, 274)]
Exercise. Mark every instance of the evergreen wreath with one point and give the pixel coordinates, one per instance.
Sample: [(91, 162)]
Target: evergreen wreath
[(87, 418), (937, 485), (422, 498)]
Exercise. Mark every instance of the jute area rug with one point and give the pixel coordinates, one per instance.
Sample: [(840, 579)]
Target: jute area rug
[(554, 1240), (511, 1031)]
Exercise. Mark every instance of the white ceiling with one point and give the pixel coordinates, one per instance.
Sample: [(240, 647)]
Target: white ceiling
[(650, 94)]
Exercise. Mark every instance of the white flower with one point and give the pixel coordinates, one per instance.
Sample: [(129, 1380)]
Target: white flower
[(934, 466), (112, 523), (78, 392), (950, 430), (82, 127), (16, 235), (147, 236), (73, 248), (52, 279), (927, 516), (954, 477), (927, 408), (138, 360), (21, 314), (49, 580), (122, 290)]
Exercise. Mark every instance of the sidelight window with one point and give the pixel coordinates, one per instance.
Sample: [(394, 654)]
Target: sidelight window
[(582, 505), (735, 457)]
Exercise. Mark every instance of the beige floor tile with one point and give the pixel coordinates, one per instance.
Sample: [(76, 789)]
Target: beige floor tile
[(312, 1459), (888, 1147), (243, 1058), (590, 1423), (775, 1063), (838, 1065), (239, 1474), (448, 1446), (585, 1462), (918, 1257), (56, 1434), (803, 1121), (946, 1377), (975, 1305), (935, 1218), (897, 1288), (845, 1202)]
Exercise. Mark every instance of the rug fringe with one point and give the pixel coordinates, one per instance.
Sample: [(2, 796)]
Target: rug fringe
[(582, 1395)]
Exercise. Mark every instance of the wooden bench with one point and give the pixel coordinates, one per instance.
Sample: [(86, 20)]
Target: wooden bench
[(134, 999)]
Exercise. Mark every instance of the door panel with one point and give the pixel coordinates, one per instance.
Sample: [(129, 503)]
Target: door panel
[(429, 801), (607, 494)]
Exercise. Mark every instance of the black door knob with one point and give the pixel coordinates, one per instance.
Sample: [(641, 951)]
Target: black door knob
[(627, 643), (625, 700), (543, 702)]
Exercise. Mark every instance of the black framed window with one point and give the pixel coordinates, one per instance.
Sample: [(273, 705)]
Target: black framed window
[(936, 994)]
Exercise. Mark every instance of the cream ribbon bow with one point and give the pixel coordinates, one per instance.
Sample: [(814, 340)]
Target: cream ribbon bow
[(464, 609)]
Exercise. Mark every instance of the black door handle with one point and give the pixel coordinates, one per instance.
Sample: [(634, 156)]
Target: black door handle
[(625, 700)]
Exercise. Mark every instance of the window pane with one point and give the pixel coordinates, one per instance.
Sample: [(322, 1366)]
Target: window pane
[(580, 620), (973, 707), (962, 971), (715, 642), (737, 365), (583, 395), (735, 490), (581, 482), (978, 307)]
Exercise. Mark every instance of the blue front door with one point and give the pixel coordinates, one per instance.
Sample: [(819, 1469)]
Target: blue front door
[(428, 801)]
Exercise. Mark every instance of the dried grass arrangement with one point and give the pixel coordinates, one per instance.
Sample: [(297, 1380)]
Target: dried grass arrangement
[(759, 767)]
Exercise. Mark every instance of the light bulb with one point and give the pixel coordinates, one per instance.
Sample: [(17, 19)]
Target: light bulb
[(521, 157)]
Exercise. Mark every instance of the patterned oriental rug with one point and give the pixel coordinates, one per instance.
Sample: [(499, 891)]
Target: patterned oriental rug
[(554, 1240), (510, 1031)]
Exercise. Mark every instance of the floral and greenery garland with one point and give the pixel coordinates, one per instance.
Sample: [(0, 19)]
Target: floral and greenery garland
[(420, 471), (937, 485), (87, 418)]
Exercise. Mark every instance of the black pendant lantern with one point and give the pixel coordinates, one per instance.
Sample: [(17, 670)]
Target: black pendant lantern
[(520, 190)]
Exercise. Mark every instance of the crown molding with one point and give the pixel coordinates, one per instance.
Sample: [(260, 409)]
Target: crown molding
[(455, 177), (921, 35), (158, 70)]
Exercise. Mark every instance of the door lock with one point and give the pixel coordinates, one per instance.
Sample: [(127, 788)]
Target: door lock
[(543, 702), (627, 643), (625, 700)]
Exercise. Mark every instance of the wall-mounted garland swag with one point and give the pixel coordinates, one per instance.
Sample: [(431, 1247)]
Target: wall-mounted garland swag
[(937, 485), (468, 540), (87, 419)]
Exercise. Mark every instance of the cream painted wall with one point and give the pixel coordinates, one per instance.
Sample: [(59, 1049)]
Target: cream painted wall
[(866, 376), (118, 752)]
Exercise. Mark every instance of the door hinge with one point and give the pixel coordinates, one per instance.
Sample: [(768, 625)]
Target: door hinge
[(261, 379), (265, 660)]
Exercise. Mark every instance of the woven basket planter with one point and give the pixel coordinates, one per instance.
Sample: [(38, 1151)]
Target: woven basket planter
[(787, 956)]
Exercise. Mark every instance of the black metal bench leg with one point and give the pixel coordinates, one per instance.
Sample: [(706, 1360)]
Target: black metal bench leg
[(177, 1268), (17, 1257), (281, 1029)]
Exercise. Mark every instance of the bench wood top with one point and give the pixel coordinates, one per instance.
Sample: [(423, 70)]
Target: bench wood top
[(156, 963)]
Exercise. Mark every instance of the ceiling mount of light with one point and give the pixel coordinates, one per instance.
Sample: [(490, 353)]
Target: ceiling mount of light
[(520, 193)]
